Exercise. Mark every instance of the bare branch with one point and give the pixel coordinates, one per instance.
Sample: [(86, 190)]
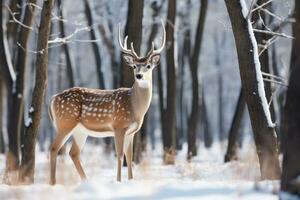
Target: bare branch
[(14, 19), (273, 33), (276, 82), (273, 76), (253, 2), (268, 43), (259, 7), (272, 14), (69, 37)]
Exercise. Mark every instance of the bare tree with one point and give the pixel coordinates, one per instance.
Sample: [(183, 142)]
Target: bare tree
[(252, 85), (234, 131), (290, 180), (31, 131), (17, 102), (9, 78), (168, 112), (95, 35), (2, 145), (194, 60), (71, 70)]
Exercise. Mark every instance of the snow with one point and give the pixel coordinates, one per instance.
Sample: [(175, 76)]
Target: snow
[(31, 110), (28, 122), (259, 77), (205, 178)]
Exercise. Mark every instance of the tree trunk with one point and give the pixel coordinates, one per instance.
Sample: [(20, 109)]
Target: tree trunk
[(169, 131), (193, 118), (234, 132), (208, 139), (8, 81), (16, 110), (31, 131), (252, 85), (290, 180), (95, 35), (2, 145), (71, 70), (134, 31)]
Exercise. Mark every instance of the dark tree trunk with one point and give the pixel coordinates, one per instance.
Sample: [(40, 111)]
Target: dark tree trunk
[(16, 121), (6, 68), (134, 31), (193, 118), (31, 131), (208, 139), (2, 145), (264, 132), (95, 35), (169, 131), (290, 180), (112, 51), (71, 70), (234, 131)]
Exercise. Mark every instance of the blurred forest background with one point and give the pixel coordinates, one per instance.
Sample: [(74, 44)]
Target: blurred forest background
[(197, 98)]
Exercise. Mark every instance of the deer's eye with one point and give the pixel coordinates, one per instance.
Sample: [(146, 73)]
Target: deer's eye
[(134, 67), (148, 66)]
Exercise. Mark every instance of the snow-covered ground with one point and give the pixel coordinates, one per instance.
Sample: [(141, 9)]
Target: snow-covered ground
[(206, 177)]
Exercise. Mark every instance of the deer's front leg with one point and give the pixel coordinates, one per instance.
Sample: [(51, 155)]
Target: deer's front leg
[(119, 143), (129, 153)]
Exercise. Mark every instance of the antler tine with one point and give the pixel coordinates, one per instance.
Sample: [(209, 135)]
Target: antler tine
[(123, 48), (125, 42), (163, 42), (133, 51), (151, 50)]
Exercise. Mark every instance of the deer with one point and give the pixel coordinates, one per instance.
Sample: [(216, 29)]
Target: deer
[(81, 112)]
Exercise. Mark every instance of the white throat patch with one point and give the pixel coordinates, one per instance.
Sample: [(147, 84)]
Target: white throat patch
[(143, 83)]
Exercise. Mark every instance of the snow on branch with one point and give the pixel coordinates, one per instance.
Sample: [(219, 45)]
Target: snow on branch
[(259, 78), (69, 37)]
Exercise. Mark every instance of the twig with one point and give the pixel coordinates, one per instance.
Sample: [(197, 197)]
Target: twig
[(273, 76), (253, 2), (67, 38), (276, 82), (273, 33), (272, 14), (268, 43), (260, 6), (14, 19)]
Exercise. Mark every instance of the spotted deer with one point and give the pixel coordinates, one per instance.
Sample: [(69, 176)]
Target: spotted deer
[(82, 112)]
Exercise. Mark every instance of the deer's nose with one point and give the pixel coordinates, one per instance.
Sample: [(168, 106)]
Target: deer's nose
[(139, 76)]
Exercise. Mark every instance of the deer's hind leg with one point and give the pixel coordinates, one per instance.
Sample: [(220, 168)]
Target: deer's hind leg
[(58, 142), (77, 145)]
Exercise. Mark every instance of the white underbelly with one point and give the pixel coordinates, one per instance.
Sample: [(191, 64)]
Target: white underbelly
[(80, 129)]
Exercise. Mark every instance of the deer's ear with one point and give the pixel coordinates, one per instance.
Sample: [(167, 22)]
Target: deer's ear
[(128, 59), (155, 59)]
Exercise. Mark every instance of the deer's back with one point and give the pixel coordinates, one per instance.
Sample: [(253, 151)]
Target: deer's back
[(97, 110)]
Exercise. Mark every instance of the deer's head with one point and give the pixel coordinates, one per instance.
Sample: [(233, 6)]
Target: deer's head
[(142, 66)]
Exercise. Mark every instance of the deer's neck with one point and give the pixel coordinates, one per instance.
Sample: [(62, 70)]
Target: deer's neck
[(141, 98)]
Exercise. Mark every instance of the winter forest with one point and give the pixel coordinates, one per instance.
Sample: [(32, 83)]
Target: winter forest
[(150, 99)]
